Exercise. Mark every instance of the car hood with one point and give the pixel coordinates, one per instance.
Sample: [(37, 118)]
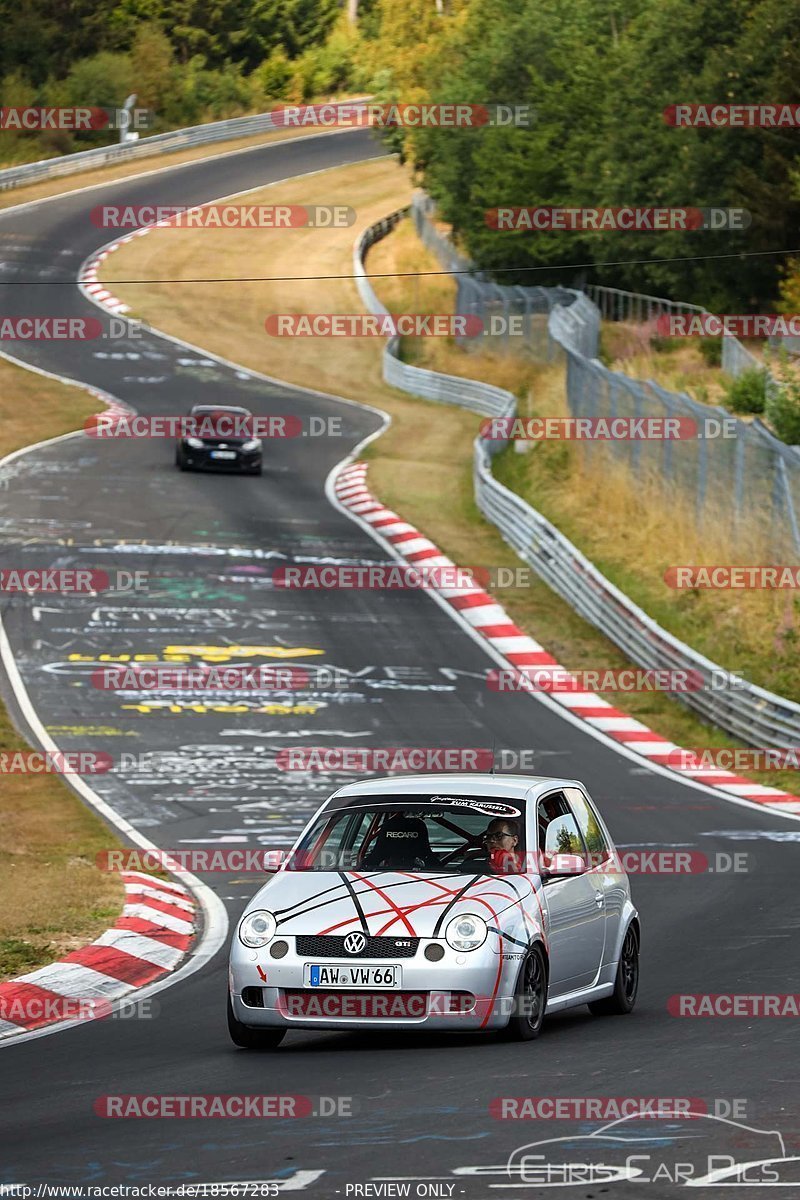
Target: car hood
[(389, 903)]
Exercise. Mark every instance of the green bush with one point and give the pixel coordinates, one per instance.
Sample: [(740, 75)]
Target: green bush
[(335, 61), (711, 351), (274, 75), (783, 410), (103, 81), (747, 393), (305, 69), (207, 95)]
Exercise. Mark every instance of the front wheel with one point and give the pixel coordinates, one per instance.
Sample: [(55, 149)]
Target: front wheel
[(626, 984), (530, 998), (252, 1039)]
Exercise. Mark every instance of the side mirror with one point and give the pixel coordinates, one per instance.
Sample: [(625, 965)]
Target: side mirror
[(274, 860), (558, 866)]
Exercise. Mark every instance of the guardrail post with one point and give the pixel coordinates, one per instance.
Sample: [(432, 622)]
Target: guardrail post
[(739, 463), (702, 478), (787, 491)]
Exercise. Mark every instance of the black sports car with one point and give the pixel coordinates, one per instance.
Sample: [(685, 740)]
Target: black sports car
[(220, 438)]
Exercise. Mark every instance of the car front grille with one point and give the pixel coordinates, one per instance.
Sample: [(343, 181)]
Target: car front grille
[(324, 946)]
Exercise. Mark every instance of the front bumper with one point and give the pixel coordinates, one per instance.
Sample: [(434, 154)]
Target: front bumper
[(464, 992), (201, 460)]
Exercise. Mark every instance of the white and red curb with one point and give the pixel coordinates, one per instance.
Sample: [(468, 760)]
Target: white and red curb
[(149, 940), (87, 276), (488, 619)]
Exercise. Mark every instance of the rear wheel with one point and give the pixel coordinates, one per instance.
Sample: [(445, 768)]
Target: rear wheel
[(250, 1038), (626, 984), (530, 998)]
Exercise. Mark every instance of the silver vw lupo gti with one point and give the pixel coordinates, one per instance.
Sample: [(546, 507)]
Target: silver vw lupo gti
[(445, 902)]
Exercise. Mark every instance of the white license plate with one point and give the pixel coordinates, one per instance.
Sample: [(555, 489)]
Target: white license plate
[(223, 454), (350, 975)]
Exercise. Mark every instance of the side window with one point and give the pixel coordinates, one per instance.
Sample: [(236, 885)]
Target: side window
[(558, 829), (336, 852), (589, 826), (354, 843)]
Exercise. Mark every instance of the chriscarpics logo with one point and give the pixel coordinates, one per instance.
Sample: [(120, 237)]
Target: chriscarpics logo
[(701, 1149)]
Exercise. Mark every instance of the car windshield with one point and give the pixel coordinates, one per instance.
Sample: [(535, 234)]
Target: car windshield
[(416, 834), (222, 422)]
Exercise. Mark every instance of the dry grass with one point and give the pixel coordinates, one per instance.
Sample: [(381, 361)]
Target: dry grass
[(58, 408), (52, 897), (646, 526), (422, 465), (677, 366), (397, 258)]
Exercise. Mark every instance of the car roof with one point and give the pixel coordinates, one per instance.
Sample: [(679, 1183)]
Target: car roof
[(471, 783)]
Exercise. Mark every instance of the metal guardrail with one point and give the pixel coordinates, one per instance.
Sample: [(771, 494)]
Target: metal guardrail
[(616, 305), (159, 143), (747, 480), (748, 712), (431, 385)]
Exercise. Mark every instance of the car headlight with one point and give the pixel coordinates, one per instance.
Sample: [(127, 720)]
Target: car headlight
[(257, 928), (253, 444), (466, 933), (195, 443)]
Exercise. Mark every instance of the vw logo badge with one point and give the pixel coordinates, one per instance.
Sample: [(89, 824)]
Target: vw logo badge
[(354, 943)]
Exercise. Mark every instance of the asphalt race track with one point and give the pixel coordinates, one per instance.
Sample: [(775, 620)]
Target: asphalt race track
[(420, 1105)]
